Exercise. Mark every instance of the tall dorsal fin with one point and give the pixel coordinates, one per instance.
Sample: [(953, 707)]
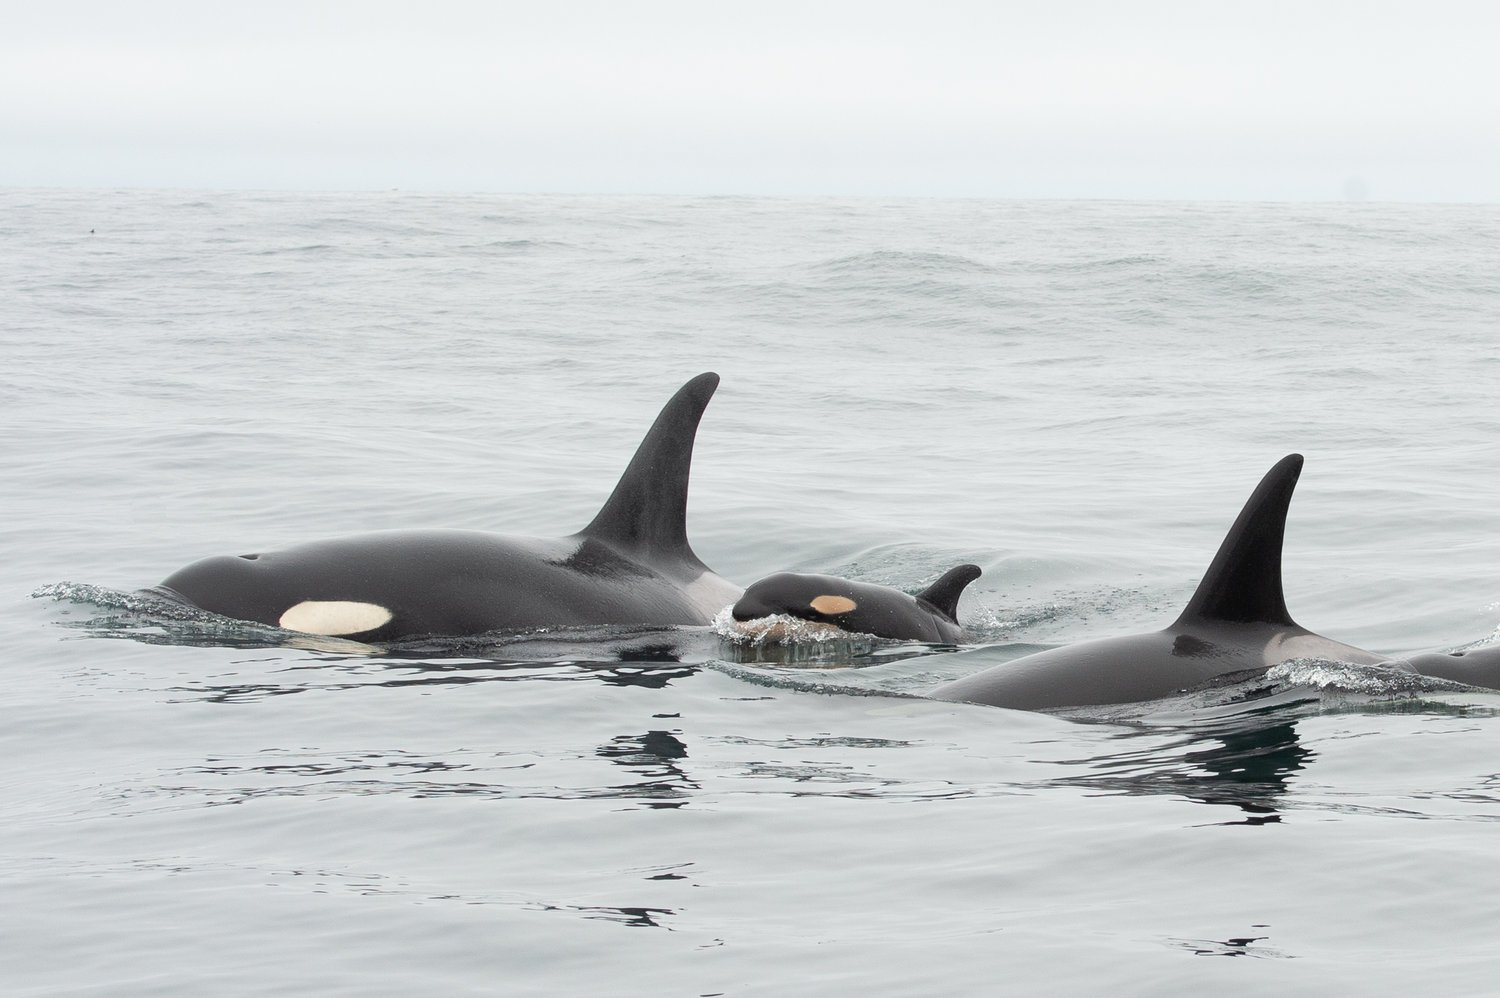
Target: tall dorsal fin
[(1244, 582), (647, 511), (944, 593)]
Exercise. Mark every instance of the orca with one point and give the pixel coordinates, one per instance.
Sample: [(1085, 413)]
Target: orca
[(1474, 667), (862, 607), (1236, 622), (631, 565)]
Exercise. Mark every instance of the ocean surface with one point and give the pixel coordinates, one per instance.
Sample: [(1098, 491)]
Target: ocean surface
[(1077, 396)]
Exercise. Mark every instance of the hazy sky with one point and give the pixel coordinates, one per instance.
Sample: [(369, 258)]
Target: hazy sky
[(1246, 100)]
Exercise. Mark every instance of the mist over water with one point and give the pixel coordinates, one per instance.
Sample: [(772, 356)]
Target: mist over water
[(1077, 396)]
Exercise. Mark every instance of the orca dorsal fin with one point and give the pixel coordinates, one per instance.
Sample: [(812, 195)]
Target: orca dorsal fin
[(1243, 584), (944, 593), (647, 511)]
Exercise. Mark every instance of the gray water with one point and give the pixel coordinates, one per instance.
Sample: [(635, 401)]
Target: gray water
[(1077, 396)]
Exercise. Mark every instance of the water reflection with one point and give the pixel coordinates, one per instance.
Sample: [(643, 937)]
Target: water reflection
[(642, 918), (1234, 946), (1235, 747), (328, 673), (1247, 770), (654, 756), (652, 760)]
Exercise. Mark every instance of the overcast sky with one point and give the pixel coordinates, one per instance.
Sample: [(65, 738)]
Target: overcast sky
[(1302, 100)]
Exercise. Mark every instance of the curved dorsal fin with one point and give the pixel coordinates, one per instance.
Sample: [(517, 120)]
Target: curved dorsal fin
[(1244, 582), (646, 514), (943, 594)]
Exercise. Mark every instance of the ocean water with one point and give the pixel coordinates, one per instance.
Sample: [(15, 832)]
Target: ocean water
[(1077, 396)]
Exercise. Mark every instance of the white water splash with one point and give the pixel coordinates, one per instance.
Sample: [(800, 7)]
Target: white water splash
[(1373, 680), (778, 629)]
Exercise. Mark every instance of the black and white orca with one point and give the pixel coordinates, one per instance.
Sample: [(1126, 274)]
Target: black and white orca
[(631, 565), (861, 607), (1236, 622)]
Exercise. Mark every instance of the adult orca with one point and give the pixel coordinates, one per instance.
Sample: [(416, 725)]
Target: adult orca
[(1237, 621), (631, 565), (1475, 667), (863, 607)]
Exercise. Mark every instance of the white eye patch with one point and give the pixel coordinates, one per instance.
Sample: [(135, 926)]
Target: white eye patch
[(830, 605), (334, 617)]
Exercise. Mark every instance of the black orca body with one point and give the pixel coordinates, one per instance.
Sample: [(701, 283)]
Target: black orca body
[(631, 565), (1237, 621), (1475, 667), (862, 607)]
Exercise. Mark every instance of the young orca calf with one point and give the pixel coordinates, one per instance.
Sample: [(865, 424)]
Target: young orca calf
[(1237, 621), (863, 607), (631, 565)]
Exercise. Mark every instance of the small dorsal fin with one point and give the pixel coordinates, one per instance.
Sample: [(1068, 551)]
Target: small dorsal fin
[(647, 511), (943, 594), (1244, 582)]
